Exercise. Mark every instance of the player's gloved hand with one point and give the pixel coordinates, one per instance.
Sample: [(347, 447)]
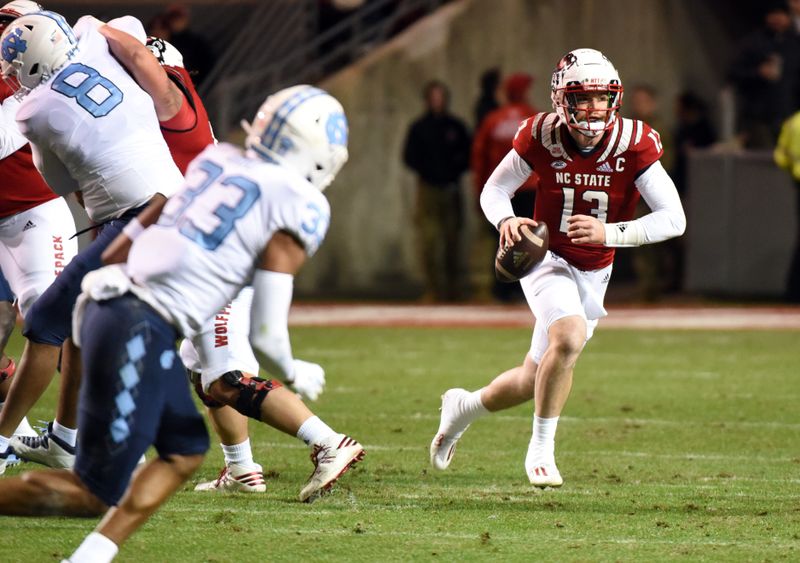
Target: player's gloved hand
[(308, 379)]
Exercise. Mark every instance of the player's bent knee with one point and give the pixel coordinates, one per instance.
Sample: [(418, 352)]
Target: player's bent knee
[(43, 326), (245, 394), (569, 346), (568, 336)]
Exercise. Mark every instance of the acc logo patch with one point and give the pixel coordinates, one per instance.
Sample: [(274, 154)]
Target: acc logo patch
[(558, 164)]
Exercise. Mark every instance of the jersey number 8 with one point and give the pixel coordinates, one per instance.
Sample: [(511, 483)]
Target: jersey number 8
[(93, 92)]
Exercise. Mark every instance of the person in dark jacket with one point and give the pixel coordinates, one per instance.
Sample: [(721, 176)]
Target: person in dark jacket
[(487, 101), (765, 76), (437, 149)]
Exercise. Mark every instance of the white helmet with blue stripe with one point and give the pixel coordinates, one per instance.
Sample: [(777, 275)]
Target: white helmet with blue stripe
[(303, 128), (33, 47)]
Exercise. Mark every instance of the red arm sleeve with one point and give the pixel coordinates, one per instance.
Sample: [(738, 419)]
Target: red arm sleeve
[(184, 119)]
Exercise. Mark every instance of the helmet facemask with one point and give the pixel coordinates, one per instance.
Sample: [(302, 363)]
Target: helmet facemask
[(579, 112)]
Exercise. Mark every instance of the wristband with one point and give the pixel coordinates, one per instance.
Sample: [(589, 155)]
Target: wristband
[(133, 229), (629, 233)]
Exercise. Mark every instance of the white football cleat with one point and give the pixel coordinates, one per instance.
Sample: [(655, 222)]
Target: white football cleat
[(47, 449), (450, 430), (235, 478), (25, 429), (543, 474), (331, 458), (4, 460)]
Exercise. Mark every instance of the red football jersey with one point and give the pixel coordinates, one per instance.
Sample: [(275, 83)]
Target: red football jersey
[(598, 183), (187, 142), (23, 186)]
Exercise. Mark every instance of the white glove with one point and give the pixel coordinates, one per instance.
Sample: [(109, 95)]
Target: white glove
[(308, 379)]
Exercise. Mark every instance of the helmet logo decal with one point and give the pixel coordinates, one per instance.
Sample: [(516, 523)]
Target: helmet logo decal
[(336, 128), (567, 61), (157, 47), (13, 45)]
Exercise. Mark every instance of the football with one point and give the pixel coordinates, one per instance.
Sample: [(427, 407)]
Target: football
[(514, 262)]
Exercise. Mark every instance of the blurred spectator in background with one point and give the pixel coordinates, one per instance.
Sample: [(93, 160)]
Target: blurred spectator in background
[(765, 77), (487, 100), (493, 139), (794, 13), (173, 25), (437, 149), (654, 265), (642, 102), (787, 156), (693, 129), (158, 27)]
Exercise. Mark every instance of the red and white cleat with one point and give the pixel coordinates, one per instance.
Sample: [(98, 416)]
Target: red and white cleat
[(544, 475), (235, 478), (331, 458)]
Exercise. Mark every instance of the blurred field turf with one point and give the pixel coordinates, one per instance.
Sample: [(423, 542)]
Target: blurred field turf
[(674, 446)]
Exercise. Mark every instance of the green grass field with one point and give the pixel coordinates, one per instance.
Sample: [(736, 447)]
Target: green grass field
[(674, 446)]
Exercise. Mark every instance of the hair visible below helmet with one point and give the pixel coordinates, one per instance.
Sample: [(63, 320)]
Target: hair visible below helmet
[(33, 47), (303, 128), (165, 52), (585, 71)]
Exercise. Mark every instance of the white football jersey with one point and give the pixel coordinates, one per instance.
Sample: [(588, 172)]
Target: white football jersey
[(211, 234), (93, 117)]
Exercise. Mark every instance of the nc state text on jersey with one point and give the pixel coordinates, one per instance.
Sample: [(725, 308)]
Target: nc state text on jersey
[(588, 180)]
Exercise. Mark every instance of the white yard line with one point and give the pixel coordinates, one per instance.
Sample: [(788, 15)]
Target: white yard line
[(707, 424), (651, 318)]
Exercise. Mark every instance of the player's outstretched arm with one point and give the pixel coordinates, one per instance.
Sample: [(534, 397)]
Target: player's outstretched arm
[(146, 70), (496, 196), (117, 251), (502, 184), (273, 283), (665, 220)]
